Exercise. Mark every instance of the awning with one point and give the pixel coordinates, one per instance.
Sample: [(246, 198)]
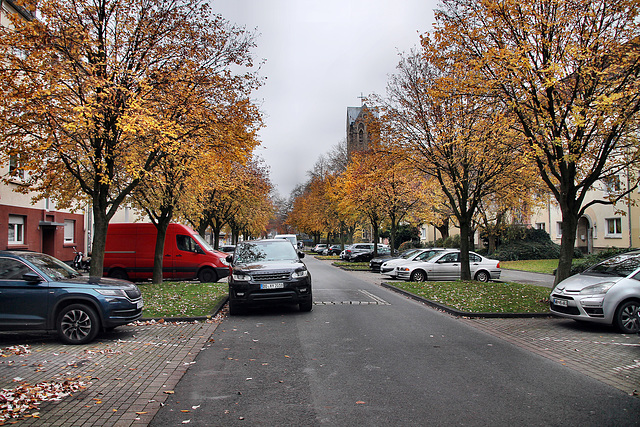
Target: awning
[(50, 224)]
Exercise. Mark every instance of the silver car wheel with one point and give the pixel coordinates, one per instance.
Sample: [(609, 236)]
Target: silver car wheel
[(627, 318)]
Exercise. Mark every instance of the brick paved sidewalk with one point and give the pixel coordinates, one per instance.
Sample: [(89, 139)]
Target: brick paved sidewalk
[(130, 371)]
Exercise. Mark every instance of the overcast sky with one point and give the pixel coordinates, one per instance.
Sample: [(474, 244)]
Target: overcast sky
[(320, 56)]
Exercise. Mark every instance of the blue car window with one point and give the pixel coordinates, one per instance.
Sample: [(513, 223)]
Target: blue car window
[(11, 269)]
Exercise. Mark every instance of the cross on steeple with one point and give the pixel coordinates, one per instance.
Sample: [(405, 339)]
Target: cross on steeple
[(362, 98)]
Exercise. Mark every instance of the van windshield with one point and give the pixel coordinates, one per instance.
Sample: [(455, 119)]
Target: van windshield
[(203, 243)]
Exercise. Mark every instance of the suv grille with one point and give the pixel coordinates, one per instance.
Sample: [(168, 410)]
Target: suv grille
[(271, 275), (133, 294)]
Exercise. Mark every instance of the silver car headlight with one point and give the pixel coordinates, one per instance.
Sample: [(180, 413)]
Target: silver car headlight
[(599, 289), (241, 277)]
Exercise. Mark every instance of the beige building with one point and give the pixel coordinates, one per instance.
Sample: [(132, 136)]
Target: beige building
[(28, 225)]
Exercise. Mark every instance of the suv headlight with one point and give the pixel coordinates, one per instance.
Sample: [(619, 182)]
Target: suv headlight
[(299, 274), (599, 289), (238, 277), (111, 292)]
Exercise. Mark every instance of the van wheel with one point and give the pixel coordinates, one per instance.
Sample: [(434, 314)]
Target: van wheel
[(207, 275), (118, 273), (77, 324)]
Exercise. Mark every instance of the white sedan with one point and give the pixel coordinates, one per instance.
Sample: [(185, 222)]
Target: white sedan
[(388, 268), (446, 265)]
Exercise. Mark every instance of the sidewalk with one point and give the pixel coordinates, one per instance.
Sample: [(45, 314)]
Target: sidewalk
[(127, 374)]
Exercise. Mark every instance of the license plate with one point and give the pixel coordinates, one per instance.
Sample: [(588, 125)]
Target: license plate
[(272, 286), (560, 302), (140, 304)]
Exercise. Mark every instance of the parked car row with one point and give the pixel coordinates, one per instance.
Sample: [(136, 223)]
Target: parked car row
[(439, 264)]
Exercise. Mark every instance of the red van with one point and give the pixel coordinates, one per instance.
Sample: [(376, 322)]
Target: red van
[(130, 249)]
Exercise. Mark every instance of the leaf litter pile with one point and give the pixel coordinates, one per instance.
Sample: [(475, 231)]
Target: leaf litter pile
[(23, 401)]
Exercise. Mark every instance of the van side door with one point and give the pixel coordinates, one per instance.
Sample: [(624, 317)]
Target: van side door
[(187, 257)]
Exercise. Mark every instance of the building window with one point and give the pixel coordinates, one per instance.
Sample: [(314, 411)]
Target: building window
[(423, 233), (69, 231), (14, 167), (559, 228), (16, 230), (540, 226), (614, 227), (612, 185)]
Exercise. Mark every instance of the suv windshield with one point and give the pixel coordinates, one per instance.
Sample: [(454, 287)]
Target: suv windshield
[(50, 266), (280, 250)]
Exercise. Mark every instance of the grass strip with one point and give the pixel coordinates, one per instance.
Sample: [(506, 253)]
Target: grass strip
[(356, 266), (181, 299), (532, 265), (477, 297)]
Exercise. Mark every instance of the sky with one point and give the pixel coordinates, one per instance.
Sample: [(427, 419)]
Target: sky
[(320, 57)]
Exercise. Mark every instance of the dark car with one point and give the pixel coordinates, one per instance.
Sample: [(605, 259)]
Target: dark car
[(363, 252), (332, 250), (268, 272), (40, 292), (228, 249)]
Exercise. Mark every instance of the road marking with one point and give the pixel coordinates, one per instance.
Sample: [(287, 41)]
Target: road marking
[(376, 300)]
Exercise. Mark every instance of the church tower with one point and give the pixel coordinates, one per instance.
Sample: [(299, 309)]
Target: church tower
[(361, 129)]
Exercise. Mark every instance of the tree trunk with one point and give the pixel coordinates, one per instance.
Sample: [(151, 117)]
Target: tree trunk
[(465, 270), (567, 244), (394, 229), (100, 225), (158, 255)]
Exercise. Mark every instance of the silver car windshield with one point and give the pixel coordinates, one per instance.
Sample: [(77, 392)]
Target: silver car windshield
[(621, 265), (279, 250)]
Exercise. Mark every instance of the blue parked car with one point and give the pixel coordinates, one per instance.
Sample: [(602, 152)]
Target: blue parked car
[(38, 291)]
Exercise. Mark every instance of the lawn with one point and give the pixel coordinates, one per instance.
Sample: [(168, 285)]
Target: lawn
[(533, 265), (181, 299), (358, 266), (477, 297)]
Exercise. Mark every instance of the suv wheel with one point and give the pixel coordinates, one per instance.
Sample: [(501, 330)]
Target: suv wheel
[(234, 309), (77, 324), (307, 305)]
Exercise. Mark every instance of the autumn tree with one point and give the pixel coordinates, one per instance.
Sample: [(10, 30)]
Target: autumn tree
[(449, 135), (237, 197), (360, 191), (568, 71), (84, 87)]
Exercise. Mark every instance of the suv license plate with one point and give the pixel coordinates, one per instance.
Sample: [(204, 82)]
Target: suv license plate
[(272, 286), (560, 302), (140, 304)]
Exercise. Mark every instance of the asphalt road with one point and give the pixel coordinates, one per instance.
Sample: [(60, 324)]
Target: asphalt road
[(366, 356)]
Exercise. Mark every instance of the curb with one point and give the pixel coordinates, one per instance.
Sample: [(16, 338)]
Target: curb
[(459, 313)]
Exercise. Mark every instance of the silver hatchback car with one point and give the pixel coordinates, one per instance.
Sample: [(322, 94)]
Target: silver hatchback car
[(608, 292)]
